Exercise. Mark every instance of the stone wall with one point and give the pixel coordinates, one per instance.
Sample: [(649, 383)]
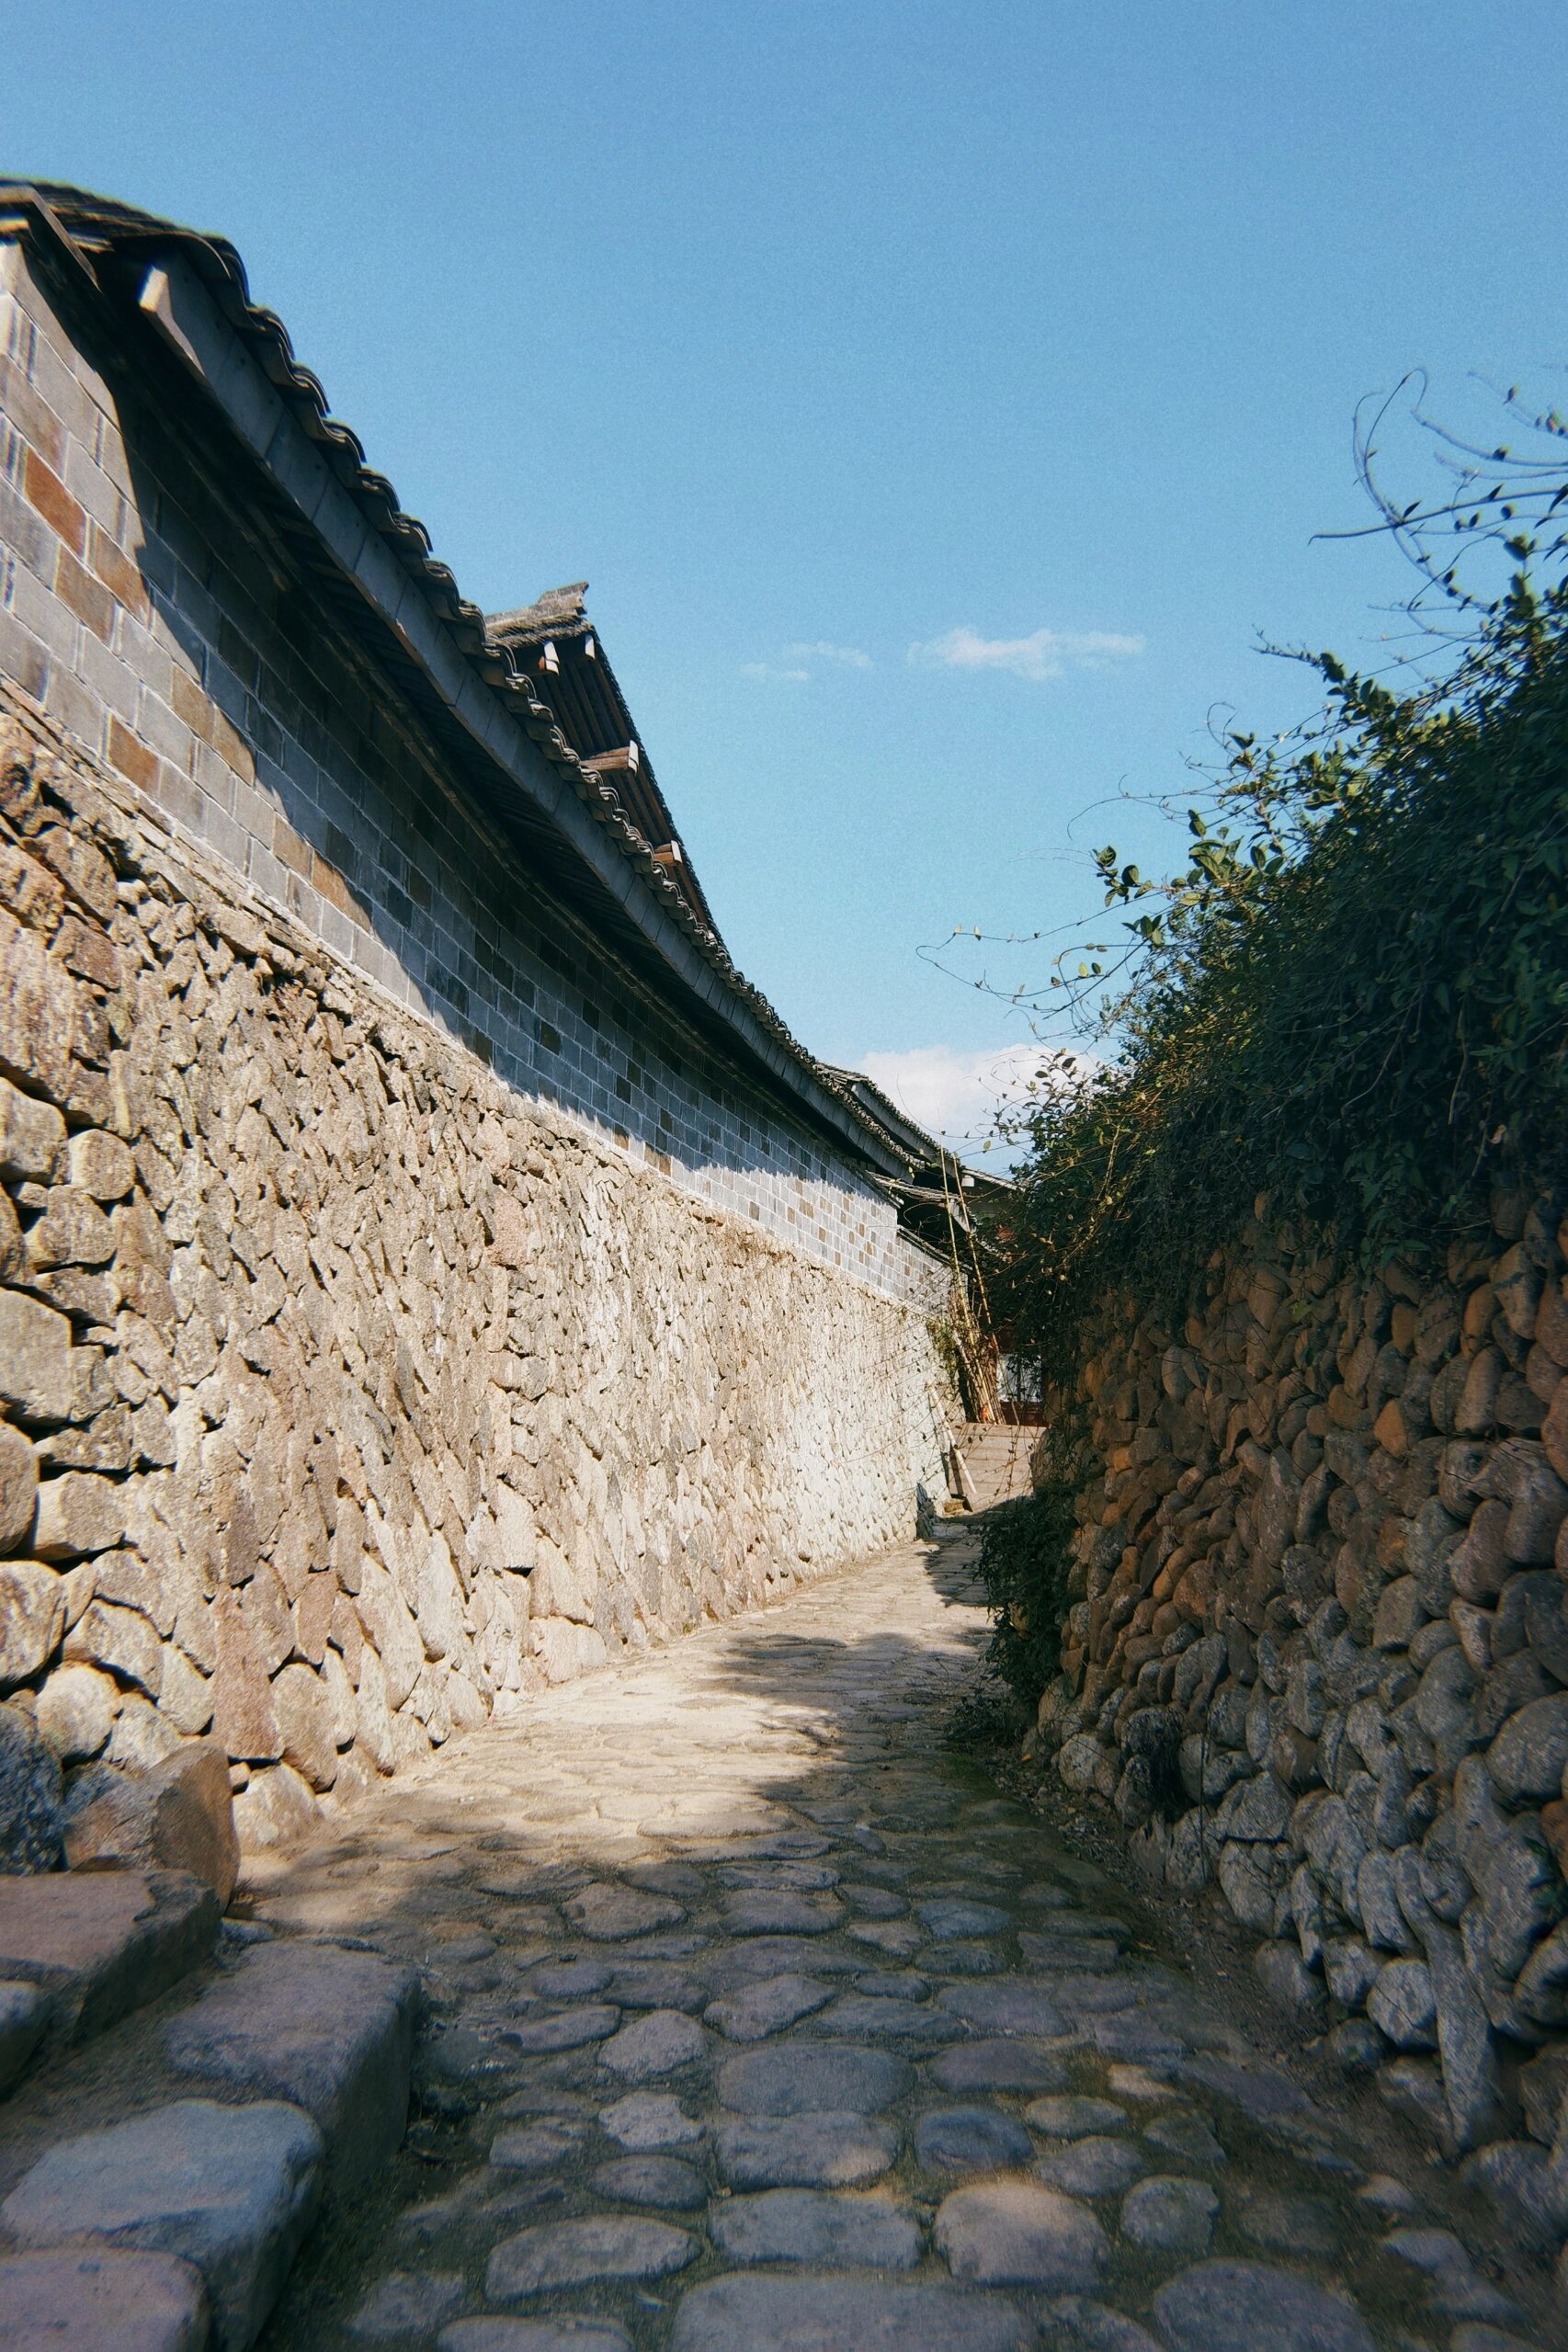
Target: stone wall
[(347, 1392), (1318, 1660), (147, 604)]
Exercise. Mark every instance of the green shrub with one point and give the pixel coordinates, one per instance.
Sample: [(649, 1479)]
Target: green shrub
[(1353, 1002)]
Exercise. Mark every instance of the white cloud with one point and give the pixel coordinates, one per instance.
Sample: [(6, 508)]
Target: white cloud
[(768, 671), (954, 1096), (1047, 653), (850, 655)]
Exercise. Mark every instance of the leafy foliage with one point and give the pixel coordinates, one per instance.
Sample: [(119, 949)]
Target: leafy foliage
[(1352, 1000)]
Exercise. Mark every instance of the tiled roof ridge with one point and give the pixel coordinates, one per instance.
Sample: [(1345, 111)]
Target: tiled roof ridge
[(91, 222), (549, 615)]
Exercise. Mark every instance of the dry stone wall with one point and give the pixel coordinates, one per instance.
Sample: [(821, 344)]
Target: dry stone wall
[(347, 1395), (1317, 1659)]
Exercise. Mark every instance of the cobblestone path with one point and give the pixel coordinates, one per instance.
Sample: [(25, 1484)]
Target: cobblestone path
[(761, 2021)]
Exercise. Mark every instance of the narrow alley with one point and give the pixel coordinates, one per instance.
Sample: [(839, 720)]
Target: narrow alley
[(759, 2018)]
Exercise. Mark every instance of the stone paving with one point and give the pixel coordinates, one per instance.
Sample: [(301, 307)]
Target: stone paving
[(762, 2023)]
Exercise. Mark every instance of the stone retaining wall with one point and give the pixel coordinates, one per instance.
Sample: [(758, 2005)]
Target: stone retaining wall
[(1318, 1658), (347, 1394)]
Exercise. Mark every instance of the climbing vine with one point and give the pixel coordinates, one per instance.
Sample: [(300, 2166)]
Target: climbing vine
[(1352, 999)]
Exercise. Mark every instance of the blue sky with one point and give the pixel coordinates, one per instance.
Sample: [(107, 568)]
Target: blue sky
[(939, 399)]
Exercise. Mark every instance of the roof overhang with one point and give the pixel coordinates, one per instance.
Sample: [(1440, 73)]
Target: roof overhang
[(177, 287)]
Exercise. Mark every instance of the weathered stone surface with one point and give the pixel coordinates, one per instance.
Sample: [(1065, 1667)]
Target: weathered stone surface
[(531, 2148), (569, 2254), (230, 2189), (661, 2181), (38, 1379), (405, 2305), (614, 1914), (533, 2336), (649, 2119), (103, 1942), (830, 2148), (1453, 2283), (804, 2226), (565, 2029), (76, 1709), (31, 1806), (32, 1618), (656, 1985), (1285, 1978), (1246, 2306), (275, 1808), (802, 2076), (1185, 2134), (1072, 2117), (1168, 2215), (762, 1912), (1007, 2006), (804, 2313), (969, 2139), (767, 2007), (18, 1489), (96, 2301), (331, 2031), (1093, 2166), (121, 1640), (78, 1514), (101, 1165), (307, 1724), (1402, 2004), (24, 2013), (179, 1816), (949, 1917), (1528, 1756), (657, 2044), (874, 2017), (33, 1135), (1015, 2234), (1014, 2063)]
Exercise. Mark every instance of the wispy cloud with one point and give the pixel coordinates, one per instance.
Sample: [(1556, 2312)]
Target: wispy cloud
[(1045, 654), (955, 1096), (851, 657), (768, 671)]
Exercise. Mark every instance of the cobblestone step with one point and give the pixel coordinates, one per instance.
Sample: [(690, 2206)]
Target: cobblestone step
[(158, 2189)]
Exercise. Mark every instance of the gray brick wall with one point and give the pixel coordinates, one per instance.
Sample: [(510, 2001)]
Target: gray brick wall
[(147, 614)]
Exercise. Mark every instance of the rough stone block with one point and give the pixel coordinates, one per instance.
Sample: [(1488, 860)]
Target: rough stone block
[(101, 2301), (78, 1514), (330, 2029), (38, 1011), (18, 1489), (230, 2189), (31, 1136), (1012, 2232), (24, 2013), (599, 2245), (1529, 1755), (32, 1617), (820, 2149), (1239, 2306), (810, 2309), (102, 1942), (31, 1811), (305, 1721), (37, 1378), (121, 1639), (179, 1816), (101, 1164)]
